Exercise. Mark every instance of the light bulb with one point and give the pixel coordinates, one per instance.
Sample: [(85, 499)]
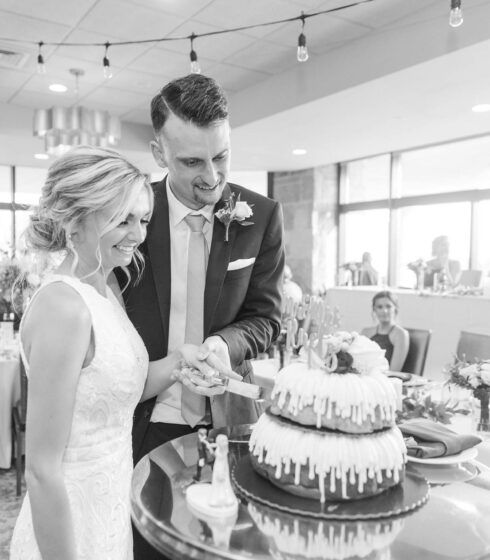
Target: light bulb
[(302, 53), (41, 67), (107, 69), (195, 66), (456, 14)]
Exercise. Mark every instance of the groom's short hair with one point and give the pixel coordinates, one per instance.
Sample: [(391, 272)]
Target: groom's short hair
[(194, 98)]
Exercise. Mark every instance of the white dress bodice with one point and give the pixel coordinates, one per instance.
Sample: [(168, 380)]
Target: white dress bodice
[(97, 462)]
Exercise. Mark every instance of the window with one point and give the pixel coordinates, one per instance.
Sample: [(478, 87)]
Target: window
[(28, 184), (5, 231), (366, 179), (366, 231), (482, 237), (419, 225), (457, 166), (21, 222), (5, 184)]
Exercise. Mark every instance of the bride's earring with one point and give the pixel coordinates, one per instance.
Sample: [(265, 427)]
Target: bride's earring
[(69, 243)]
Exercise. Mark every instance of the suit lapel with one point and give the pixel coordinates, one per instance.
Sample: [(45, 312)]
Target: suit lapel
[(159, 252), (219, 258)]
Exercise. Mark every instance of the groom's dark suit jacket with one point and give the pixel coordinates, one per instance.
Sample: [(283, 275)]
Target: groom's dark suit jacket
[(243, 306)]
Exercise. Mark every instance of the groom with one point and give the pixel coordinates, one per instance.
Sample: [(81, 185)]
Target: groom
[(206, 279)]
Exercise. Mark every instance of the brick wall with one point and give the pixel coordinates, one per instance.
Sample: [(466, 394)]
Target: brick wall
[(310, 205)]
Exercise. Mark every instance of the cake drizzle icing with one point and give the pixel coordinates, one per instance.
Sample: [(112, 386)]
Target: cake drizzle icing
[(343, 459), (356, 396)]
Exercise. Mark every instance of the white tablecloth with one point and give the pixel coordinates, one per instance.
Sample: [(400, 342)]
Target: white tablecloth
[(9, 393)]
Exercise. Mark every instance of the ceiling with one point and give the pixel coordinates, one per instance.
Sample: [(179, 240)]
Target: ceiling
[(382, 76)]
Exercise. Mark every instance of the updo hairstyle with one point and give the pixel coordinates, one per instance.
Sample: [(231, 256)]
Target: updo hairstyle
[(82, 182)]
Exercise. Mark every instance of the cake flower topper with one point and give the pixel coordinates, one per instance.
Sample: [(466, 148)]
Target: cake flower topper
[(234, 211)]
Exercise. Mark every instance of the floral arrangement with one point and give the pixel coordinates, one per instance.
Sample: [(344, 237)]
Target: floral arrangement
[(476, 378), (15, 285), (470, 376), (234, 211), (352, 266), (424, 406), (418, 266)]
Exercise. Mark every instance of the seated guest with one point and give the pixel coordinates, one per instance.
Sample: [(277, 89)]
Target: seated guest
[(388, 334), (441, 263), (368, 275)]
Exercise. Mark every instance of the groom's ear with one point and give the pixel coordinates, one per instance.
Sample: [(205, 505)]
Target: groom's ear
[(157, 153)]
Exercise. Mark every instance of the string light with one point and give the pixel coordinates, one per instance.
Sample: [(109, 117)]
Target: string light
[(41, 67), (302, 52), (107, 64), (456, 14), (195, 67)]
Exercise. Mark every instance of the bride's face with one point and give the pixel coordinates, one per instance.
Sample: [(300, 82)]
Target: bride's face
[(116, 246)]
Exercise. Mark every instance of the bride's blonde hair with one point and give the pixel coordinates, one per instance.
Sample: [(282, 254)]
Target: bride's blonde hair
[(80, 183)]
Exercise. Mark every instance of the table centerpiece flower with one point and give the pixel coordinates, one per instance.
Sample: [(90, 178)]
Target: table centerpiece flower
[(419, 266), (476, 378)]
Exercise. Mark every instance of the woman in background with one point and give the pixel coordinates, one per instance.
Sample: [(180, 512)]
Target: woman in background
[(387, 333)]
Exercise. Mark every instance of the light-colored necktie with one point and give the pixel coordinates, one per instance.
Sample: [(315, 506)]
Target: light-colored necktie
[(194, 406)]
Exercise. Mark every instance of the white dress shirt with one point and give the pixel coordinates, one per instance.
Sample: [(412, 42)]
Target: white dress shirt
[(167, 407)]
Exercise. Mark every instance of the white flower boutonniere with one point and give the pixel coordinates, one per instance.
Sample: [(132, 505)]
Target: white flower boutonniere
[(234, 211)]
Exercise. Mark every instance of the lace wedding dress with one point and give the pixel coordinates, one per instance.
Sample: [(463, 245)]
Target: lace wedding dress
[(97, 462)]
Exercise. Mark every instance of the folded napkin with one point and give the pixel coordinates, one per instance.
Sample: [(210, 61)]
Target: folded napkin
[(425, 438)]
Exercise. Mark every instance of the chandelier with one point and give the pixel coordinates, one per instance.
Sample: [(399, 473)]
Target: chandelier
[(65, 127)]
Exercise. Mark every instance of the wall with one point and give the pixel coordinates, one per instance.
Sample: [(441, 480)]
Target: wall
[(309, 200)]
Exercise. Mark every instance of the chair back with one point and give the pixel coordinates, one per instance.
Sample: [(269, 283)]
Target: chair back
[(473, 346), (471, 278), (417, 351)]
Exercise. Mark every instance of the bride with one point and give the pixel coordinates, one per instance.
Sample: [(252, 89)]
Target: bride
[(86, 363)]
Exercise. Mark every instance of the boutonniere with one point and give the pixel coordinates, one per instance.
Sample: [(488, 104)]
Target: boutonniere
[(234, 211)]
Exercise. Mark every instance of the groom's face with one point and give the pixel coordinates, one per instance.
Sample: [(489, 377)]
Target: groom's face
[(197, 158)]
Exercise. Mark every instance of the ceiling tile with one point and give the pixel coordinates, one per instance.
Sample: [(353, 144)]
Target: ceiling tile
[(119, 55), (66, 12), (129, 21), (164, 64), (381, 13), (107, 97), (30, 29), (58, 66), (235, 79), (321, 32), (182, 8), (139, 82), (213, 47), (236, 13), (6, 92), (265, 57), (13, 78), (35, 99)]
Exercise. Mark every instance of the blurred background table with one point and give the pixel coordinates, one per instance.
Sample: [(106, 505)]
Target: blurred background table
[(446, 315), (455, 523), (9, 394)]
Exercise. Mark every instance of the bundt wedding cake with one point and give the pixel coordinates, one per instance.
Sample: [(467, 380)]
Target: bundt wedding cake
[(295, 537), (330, 431)]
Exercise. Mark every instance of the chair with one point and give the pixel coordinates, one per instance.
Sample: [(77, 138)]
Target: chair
[(473, 346), (19, 412), (471, 278), (417, 351)]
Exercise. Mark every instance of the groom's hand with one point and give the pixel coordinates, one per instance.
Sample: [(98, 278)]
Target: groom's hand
[(214, 351)]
